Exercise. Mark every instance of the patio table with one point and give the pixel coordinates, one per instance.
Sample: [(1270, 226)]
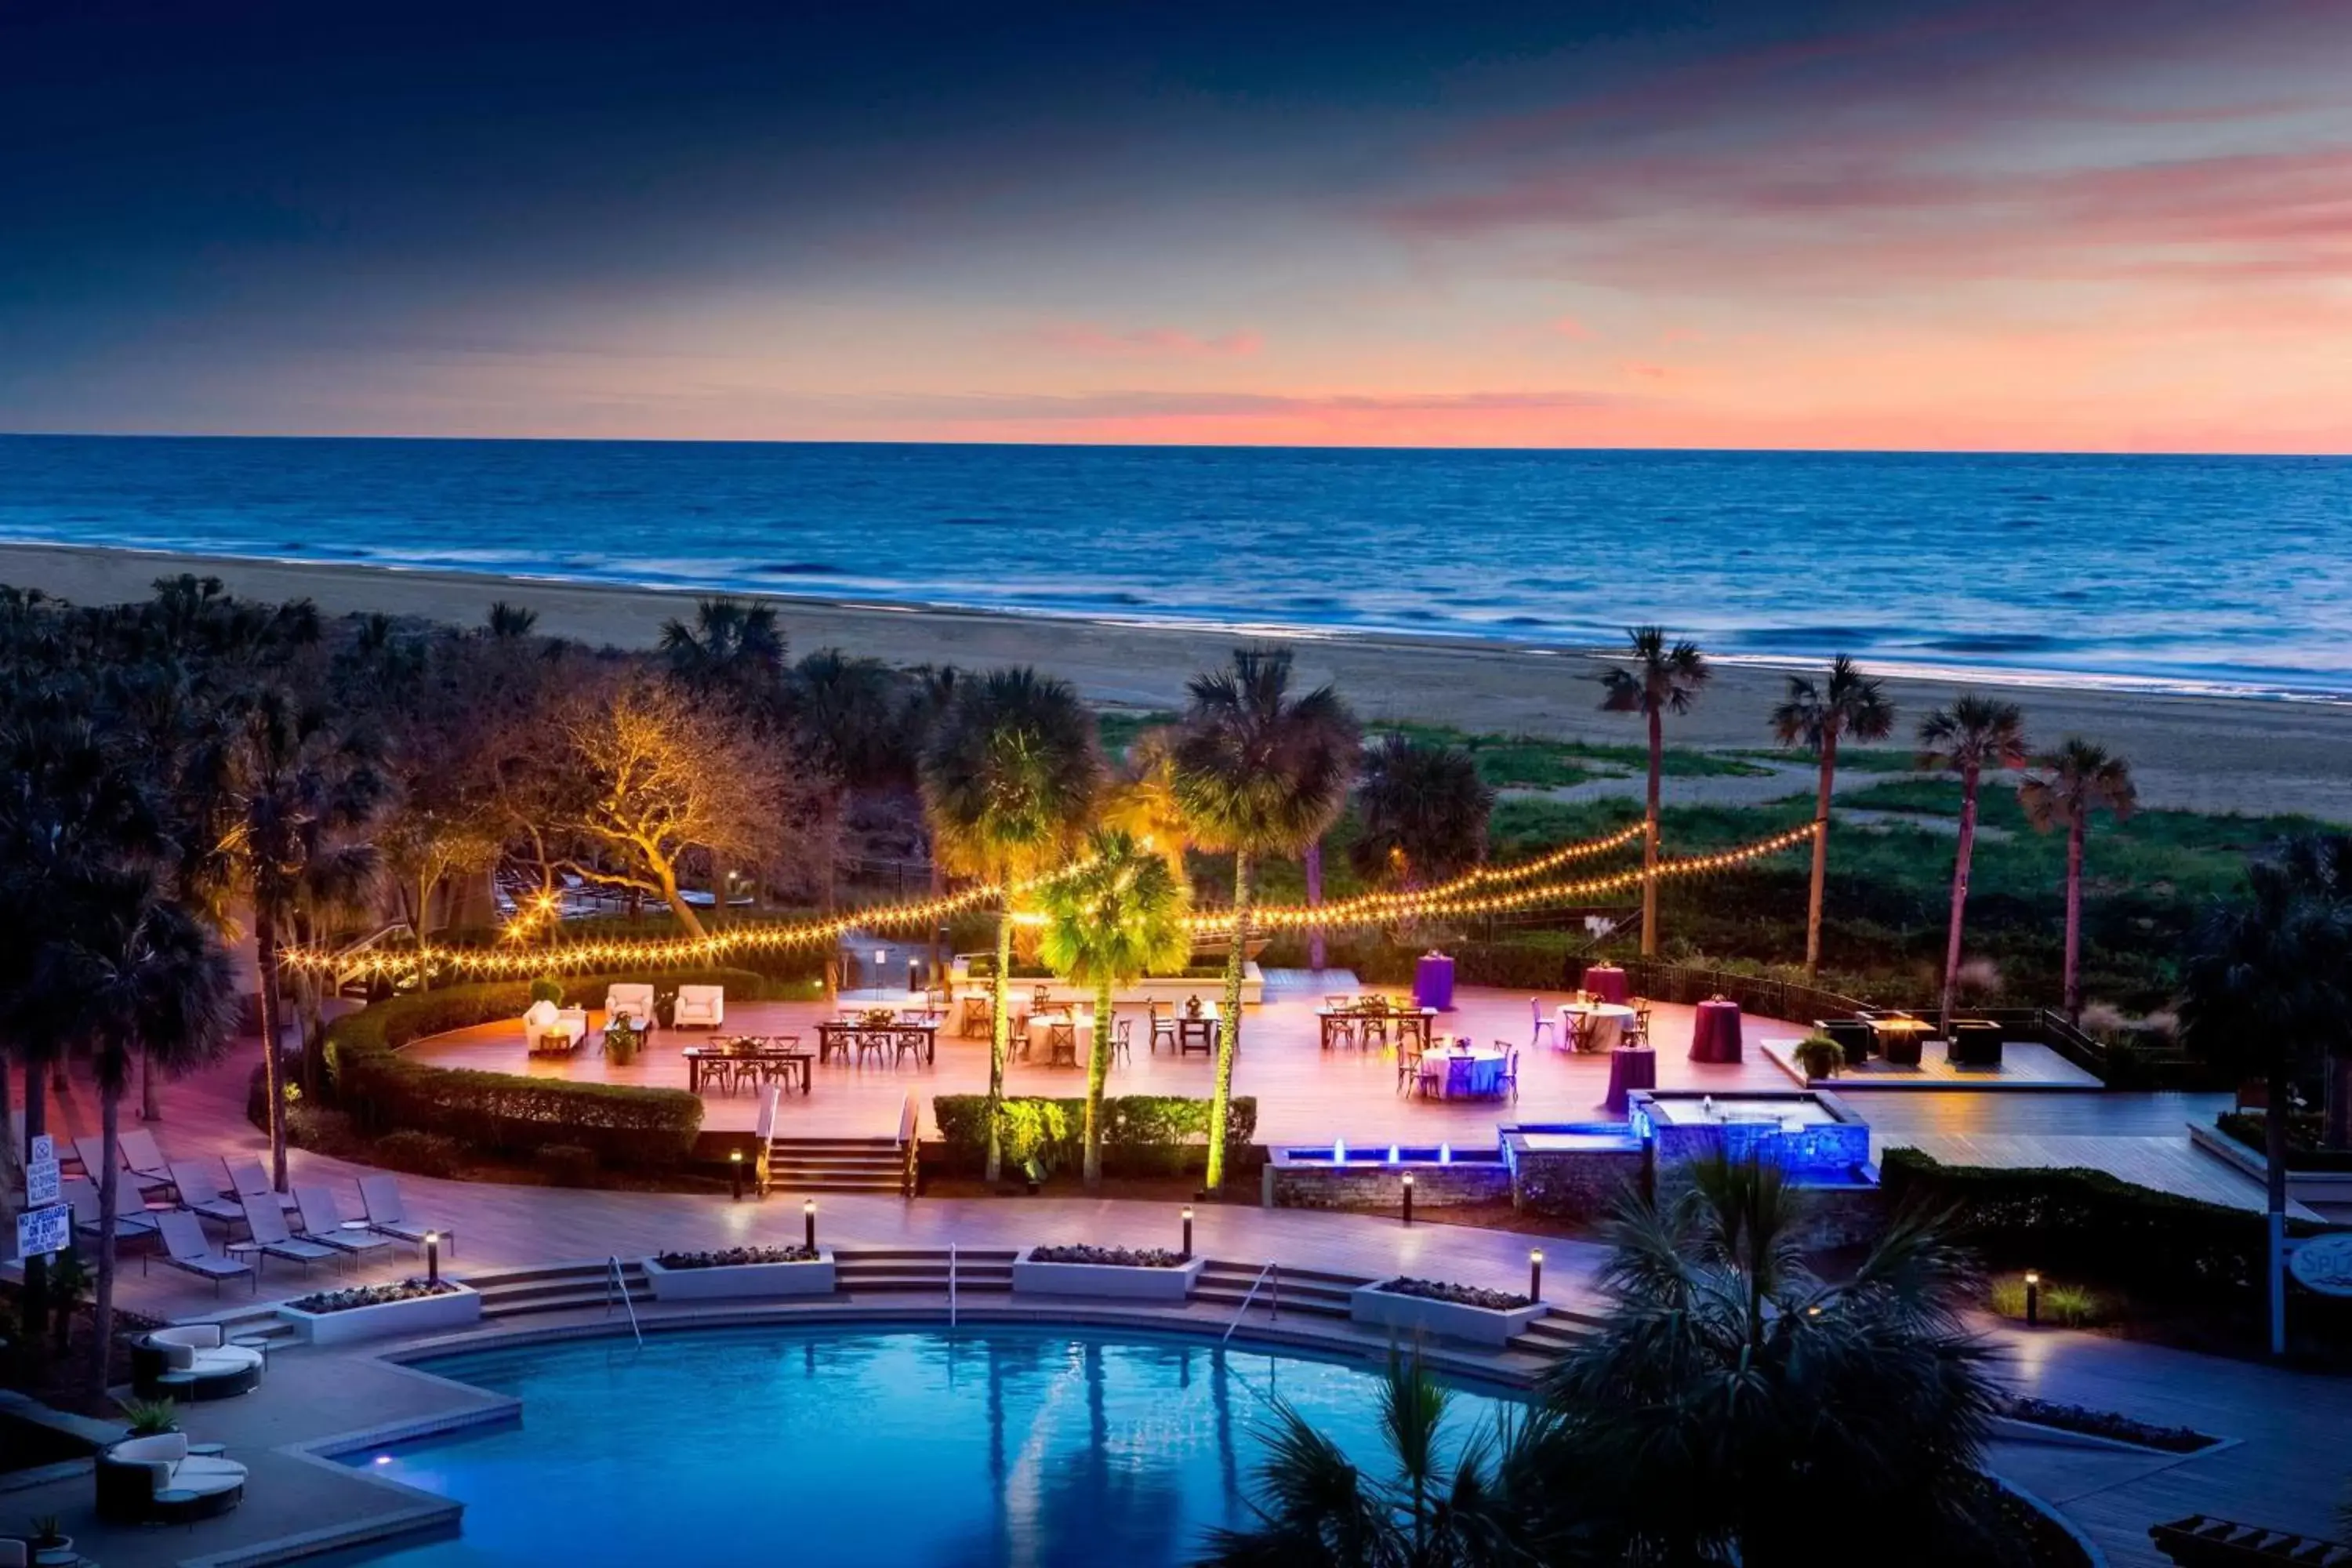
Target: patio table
[(1630, 1067), (1040, 1035), (1608, 1021), (1899, 1038), (1433, 981), (784, 1059), (840, 1035), (1461, 1075), (1608, 982), (1715, 1033)]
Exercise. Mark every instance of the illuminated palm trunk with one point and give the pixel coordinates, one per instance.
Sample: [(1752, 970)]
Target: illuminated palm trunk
[(1959, 894), (1229, 1029), (1097, 1071), (1650, 838), (1820, 854), (999, 1037)]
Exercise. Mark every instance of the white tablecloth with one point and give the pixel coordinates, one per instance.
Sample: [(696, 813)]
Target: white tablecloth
[(1041, 1023), (1611, 1018), (1472, 1075)]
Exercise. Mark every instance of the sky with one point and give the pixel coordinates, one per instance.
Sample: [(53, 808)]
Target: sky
[(2060, 224)]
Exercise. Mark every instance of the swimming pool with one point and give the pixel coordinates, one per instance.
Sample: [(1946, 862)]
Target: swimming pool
[(1000, 1446)]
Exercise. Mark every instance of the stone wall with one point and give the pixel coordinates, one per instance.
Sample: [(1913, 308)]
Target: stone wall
[(1576, 1184), (1376, 1187)]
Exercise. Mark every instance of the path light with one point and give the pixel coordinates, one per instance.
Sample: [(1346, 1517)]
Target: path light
[(1407, 1197), (1535, 1274), (431, 1257), (1188, 1232), (735, 1172), (1339, 1151), (2033, 1298), (808, 1224), (1392, 1153)]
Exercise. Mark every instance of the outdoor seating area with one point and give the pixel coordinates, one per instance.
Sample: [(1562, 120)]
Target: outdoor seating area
[(192, 1360), (162, 1480)]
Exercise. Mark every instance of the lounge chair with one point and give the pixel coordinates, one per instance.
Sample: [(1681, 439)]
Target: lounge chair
[(201, 1192), (544, 1021), (185, 1248), (699, 1007), (155, 1480), (141, 1155), (269, 1223), (191, 1361), (635, 1003), (93, 1151), (252, 1185), (82, 1198), (389, 1214), (322, 1222)]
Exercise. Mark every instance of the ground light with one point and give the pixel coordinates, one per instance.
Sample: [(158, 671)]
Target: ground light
[(1535, 1274), (808, 1224), (431, 1257), (1188, 1232), (2033, 1298), (735, 1172), (1407, 1197)]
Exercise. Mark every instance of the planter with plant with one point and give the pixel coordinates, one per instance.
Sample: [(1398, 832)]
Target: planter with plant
[(369, 1311), (1445, 1309), (1147, 1274), (48, 1544), (740, 1271), (151, 1417), (547, 989), (622, 1044), (1819, 1057)]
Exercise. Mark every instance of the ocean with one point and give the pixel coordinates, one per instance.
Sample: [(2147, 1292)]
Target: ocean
[(2230, 574)]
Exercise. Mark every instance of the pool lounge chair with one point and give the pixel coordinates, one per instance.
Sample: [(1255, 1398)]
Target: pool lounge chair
[(252, 1185), (204, 1192), (389, 1214), (141, 1155), (93, 1151), (185, 1248), (322, 1222), (269, 1223), (82, 1198)]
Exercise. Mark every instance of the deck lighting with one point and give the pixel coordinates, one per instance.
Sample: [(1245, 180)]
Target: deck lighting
[(433, 1257), (1407, 1197), (808, 1224), (2033, 1298), (1535, 1274), (1188, 1232), (735, 1172)]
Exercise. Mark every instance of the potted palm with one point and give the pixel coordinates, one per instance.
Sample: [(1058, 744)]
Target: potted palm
[(49, 1545), (621, 1043), (1819, 1056)]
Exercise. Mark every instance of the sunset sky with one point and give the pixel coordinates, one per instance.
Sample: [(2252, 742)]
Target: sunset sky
[(2061, 224)]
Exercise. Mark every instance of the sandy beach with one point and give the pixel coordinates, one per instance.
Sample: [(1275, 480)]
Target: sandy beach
[(2188, 753)]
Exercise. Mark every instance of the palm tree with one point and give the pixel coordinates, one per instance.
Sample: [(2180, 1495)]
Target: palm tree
[(1445, 1506), (1425, 811), (1256, 772), (2077, 780), (1730, 1400), (849, 723), (1817, 717), (2268, 986), (734, 651), (291, 788), (1973, 735), (1114, 918), (144, 978), (1009, 779), (509, 623), (1661, 678)]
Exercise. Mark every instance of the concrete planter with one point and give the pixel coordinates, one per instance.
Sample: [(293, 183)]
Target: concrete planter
[(1125, 1284), (1442, 1319), (455, 1309), (738, 1280)]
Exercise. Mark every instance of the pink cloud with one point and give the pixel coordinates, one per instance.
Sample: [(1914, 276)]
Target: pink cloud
[(1570, 327), (1158, 342)]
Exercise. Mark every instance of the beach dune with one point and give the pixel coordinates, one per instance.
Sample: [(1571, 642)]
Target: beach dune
[(2201, 753)]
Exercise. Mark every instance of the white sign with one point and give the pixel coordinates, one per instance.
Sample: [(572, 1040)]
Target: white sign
[(2325, 1263), (42, 1147), (40, 1231), (41, 1183)]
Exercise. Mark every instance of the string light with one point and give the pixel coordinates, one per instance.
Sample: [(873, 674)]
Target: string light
[(1489, 890)]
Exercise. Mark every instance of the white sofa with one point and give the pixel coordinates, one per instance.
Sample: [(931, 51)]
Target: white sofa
[(156, 1478), (699, 1007), (192, 1360), (635, 1003), (545, 1020)]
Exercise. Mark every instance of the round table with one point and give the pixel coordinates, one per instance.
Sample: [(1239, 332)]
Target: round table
[(1608, 982), (1461, 1075), (1630, 1067), (1042, 1023), (1715, 1032), (1610, 1020)]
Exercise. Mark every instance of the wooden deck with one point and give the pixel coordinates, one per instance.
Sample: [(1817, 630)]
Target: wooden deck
[(1305, 1094)]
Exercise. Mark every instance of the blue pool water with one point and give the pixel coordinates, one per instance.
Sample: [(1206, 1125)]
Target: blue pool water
[(876, 1447)]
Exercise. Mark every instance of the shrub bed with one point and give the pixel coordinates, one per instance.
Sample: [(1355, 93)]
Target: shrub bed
[(2109, 1424), (504, 1113), (2304, 1151), (1143, 1134), (2103, 1228), (1459, 1295), (736, 1257), (1110, 1256), (370, 1296)]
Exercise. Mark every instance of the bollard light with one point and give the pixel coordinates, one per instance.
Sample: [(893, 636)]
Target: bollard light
[(2033, 1298), (1535, 1274), (1188, 1232), (1407, 1197), (808, 1224), (735, 1172), (433, 1258)]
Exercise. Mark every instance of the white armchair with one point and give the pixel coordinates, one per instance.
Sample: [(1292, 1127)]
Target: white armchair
[(545, 1021), (635, 1003), (699, 1007)]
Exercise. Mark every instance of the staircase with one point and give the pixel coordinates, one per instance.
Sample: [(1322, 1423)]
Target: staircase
[(837, 1164)]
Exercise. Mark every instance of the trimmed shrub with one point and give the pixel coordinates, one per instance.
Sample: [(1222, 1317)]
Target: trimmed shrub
[(418, 1154), (1143, 1134), (2097, 1228), (503, 1113), (546, 989), (568, 1164)]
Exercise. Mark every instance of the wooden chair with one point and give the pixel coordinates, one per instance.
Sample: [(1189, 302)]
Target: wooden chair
[(1163, 1027), (1543, 1025), (1408, 1070), (880, 1042), (910, 1042), (973, 1024), (1587, 1032), (1509, 1083), (1122, 1041), (1371, 1028), (1062, 1042), (1637, 1033)]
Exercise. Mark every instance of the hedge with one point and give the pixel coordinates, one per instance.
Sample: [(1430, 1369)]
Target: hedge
[(505, 1113), (1143, 1134), (2089, 1225), (1538, 964)]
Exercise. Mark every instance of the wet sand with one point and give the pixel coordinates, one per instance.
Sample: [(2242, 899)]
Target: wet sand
[(2191, 752)]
